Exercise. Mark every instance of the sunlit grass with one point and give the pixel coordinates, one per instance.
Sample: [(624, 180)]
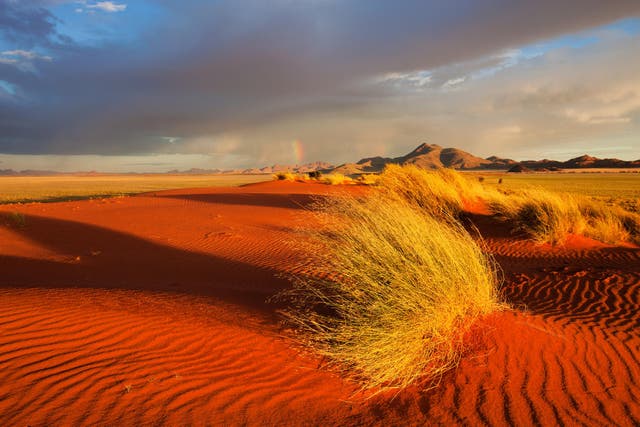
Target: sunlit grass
[(545, 216), (440, 192), (550, 217), (58, 188), (287, 176), (395, 290), (335, 179)]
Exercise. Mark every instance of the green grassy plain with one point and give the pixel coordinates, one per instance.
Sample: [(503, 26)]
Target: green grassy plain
[(25, 189)]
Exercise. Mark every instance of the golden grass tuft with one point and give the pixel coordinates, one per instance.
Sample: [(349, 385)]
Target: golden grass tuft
[(393, 293), (368, 179), (285, 176), (440, 192), (335, 179), (546, 216), (550, 217)]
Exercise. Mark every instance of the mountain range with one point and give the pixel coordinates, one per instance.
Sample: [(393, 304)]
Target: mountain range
[(431, 156)]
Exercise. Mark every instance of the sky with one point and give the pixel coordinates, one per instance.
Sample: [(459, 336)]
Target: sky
[(155, 85)]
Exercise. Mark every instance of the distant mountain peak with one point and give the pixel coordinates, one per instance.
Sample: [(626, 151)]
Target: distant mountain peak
[(424, 148), (584, 158)]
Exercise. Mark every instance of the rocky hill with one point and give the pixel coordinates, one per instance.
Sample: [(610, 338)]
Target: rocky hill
[(428, 156)]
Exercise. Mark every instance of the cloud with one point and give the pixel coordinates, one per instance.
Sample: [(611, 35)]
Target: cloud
[(26, 23), (107, 6), (616, 105), (24, 60), (26, 54), (264, 73)]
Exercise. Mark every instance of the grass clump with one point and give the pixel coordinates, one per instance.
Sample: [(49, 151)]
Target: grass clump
[(335, 179), (440, 192), (18, 219), (285, 176), (546, 216), (550, 217), (368, 179), (609, 224), (394, 292)]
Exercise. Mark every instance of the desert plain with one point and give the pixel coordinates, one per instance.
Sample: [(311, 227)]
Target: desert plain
[(155, 309)]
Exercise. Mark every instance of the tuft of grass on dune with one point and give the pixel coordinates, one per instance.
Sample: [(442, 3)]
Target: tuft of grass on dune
[(16, 219), (440, 192), (546, 216), (609, 224), (393, 293), (368, 179), (550, 217), (335, 179), (286, 176)]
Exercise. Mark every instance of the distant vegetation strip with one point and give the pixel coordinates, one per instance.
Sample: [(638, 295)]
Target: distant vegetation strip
[(64, 188)]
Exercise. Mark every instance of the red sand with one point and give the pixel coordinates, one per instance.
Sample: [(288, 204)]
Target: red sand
[(150, 310)]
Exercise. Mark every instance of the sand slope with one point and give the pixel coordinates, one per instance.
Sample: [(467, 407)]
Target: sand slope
[(151, 310)]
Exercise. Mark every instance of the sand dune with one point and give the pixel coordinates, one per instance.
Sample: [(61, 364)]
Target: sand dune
[(150, 310)]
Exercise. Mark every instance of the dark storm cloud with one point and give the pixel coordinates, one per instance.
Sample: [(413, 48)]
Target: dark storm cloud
[(28, 23), (227, 66)]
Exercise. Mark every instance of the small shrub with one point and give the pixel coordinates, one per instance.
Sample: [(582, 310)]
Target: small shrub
[(285, 176), (18, 219), (315, 175), (335, 179), (368, 179), (394, 291)]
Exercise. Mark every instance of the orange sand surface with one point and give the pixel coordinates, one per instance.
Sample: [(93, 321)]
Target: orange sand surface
[(150, 310)]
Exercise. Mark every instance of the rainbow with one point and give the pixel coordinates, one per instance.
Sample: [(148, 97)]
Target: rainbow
[(298, 151)]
